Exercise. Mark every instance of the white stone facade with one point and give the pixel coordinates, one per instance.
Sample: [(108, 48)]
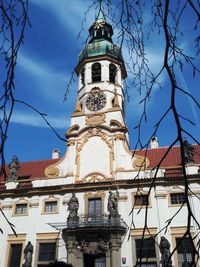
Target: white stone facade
[(98, 160)]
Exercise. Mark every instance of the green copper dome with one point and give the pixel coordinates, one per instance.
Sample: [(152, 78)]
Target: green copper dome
[(101, 47), (100, 41)]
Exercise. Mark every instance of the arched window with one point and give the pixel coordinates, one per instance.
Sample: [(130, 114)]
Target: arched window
[(83, 76), (96, 72), (112, 73)]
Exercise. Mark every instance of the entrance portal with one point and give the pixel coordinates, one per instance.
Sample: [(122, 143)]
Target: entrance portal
[(94, 260)]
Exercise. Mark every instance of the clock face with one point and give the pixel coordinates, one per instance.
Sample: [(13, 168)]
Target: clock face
[(96, 100)]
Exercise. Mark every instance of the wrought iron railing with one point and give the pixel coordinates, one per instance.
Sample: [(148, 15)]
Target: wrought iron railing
[(94, 220)]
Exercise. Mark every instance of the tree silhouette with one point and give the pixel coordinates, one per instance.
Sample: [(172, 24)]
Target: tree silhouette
[(166, 22)]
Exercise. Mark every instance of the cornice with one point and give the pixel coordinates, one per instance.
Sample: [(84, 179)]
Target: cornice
[(104, 127), (101, 185)]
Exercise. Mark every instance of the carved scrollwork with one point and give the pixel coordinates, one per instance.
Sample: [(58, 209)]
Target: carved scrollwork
[(73, 129), (51, 171), (96, 119), (94, 248), (140, 163), (115, 123), (94, 132), (94, 177)]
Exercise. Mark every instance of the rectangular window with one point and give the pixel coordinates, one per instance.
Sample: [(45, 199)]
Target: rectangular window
[(141, 200), (146, 251), (146, 247), (15, 255), (177, 198), (94, 207), (46, 253), (185, 250), (21, 209), (51, 206)]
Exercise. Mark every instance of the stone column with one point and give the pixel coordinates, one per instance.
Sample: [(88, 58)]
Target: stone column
[(108, 259), (115, 250), (74, 256)]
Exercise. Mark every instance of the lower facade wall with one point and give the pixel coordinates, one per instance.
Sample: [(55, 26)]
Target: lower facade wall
[(33, 224)]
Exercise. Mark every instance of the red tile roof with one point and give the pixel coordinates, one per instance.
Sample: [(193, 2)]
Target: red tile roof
[(172, 159), (35, 169)]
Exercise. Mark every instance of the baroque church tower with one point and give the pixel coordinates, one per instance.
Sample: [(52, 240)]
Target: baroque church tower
[(98, 146), (78, 208)]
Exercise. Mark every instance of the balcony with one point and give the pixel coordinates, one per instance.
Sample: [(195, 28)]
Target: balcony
[(103, 220), (99, 224)]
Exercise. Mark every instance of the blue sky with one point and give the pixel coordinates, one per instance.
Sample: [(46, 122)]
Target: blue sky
[(45, 63)]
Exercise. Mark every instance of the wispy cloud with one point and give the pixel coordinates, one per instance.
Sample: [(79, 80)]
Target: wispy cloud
[(68, 13), (36, 120), (155, 62), (185, 87), (48, 79)]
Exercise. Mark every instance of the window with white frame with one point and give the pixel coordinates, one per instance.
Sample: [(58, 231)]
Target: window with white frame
[(96, 72), (46, 253), (177, 198), (21, 209), (15, 255), (51, 206), (185, 251), (141, 200), (146, 252)]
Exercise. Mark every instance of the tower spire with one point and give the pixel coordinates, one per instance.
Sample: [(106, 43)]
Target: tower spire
[(100, 15)]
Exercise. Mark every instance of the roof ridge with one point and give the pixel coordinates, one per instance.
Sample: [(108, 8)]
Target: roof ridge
[(160, 147)]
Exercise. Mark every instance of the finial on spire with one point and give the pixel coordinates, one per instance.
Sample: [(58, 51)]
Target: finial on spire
[(100, 15)]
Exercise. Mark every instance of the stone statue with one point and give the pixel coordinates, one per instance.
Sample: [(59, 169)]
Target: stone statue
[(188, 152), (165, 252), (28, 251), (14, 168), (113, 204), (73, 206)]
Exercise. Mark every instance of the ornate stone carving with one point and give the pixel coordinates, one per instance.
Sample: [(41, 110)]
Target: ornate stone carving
[(120, 137), (71, 143), (95, 119), (94, 177), (165, 252), (28, 251), (72, 129), (115, 123), (140, 163), (96, 131), (51, 171), (14, 168), (92, 132), (94, 248)]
